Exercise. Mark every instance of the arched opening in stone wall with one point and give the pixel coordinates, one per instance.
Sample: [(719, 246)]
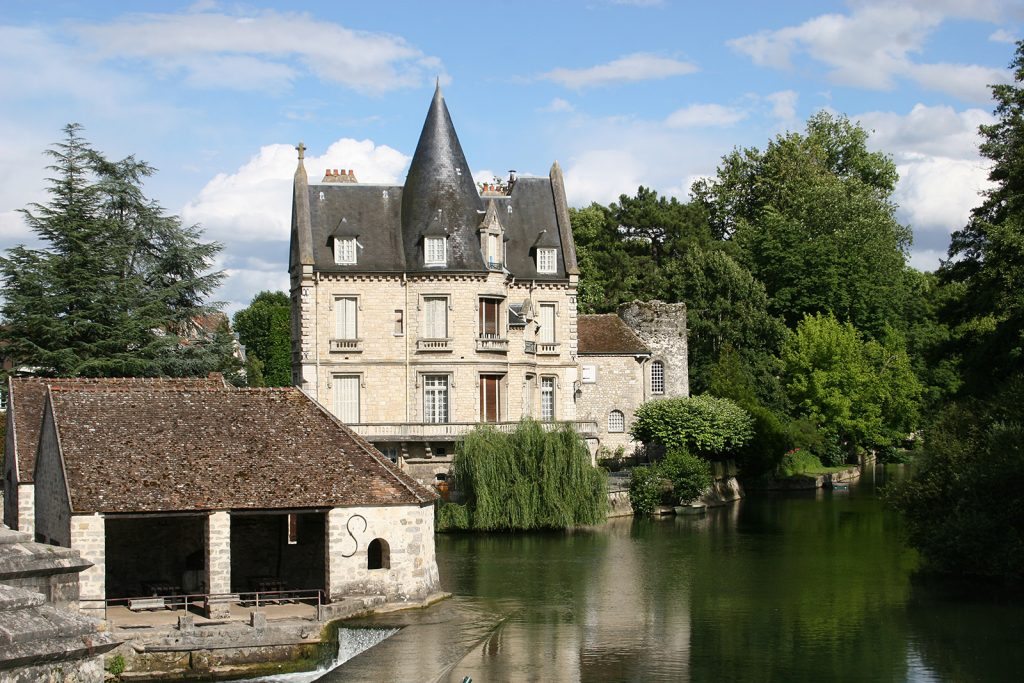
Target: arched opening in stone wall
[(378, 555)]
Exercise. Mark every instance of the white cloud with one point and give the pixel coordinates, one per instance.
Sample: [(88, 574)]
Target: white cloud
[(872, 47), (557, 105), (704, 116), (1001, 35), (783, 104), (941, 172), (640, 66), (264, 50), (933, 131), (926, 259), (254, 202)]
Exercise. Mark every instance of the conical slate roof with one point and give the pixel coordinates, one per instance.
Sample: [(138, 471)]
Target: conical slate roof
[(440, 196)]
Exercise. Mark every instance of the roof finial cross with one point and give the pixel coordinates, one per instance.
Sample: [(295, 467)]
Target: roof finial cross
[(302, 150)]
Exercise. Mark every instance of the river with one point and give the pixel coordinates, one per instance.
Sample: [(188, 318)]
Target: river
[(790, 587)]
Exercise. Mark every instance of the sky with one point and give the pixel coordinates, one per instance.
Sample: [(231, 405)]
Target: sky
[(622, 93)]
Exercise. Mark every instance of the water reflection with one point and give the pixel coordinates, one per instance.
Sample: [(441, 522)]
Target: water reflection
[(790, 587)]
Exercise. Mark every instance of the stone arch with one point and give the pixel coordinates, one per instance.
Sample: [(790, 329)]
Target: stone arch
[(378, 554)]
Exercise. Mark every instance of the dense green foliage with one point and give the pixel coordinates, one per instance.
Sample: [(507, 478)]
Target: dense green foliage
[(529, 479), (963, 506), (705, 425), (677, 479), (814, 221), (797, 461), (264, 327), (860, 392), (118, 285)]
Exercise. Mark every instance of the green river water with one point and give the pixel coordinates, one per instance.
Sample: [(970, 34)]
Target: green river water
[(812, 586)]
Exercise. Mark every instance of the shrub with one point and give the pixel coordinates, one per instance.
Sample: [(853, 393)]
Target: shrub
[(690, 475), (964, 506), (452, 517), (529, 479), (116, 666), (704, 425), (645, 489), (797, 461), (771, 440)]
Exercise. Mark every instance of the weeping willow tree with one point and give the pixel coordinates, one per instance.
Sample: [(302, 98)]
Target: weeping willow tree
[(529, 479)]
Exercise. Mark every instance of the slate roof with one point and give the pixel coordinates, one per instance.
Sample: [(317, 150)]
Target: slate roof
[(161, 451), (390, 221), (28, 396), (607, 334)]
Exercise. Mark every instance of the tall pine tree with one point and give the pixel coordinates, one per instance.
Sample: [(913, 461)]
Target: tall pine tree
[(117, 284)]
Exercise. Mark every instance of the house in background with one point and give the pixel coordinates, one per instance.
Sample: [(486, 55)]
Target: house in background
[(221, 491), (628, 358), (26, 397), (421, 310)]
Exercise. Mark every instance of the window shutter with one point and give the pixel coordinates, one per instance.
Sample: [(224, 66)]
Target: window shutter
[(345, 316), (346, 398), (547, 323)]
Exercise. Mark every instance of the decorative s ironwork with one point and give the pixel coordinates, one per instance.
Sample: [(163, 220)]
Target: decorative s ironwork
[(348, 528)]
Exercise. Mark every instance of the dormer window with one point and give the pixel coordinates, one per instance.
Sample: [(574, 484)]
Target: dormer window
[(345, 250), (435, 251), (546, 260)]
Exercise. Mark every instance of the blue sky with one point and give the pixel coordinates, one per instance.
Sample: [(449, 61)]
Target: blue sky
[(621, 93)]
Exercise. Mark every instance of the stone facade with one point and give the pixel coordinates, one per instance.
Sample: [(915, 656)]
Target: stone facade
[(619, 384), (218, 559), (51, 513), (88, 537), (662, 327), (41, 637), (626, 359), (407, 570), (508, 346)]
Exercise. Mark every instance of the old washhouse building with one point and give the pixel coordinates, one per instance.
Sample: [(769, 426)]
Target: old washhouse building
[(422, 310), (175, 488)]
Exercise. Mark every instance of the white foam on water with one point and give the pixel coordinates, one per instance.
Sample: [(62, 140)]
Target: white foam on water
[(351, 642)]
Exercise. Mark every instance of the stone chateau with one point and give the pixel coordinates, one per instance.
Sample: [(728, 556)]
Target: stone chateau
[(421, 310)]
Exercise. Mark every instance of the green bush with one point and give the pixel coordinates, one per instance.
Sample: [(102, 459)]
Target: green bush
[(529, 479), (964, 505), (116, 666), (690, 475), (771, 440), (645, 489), (704, 425), (679, 478), (452, 517), (796, 462)]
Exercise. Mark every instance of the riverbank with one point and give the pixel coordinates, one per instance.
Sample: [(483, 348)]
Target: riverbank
[(174, 645)]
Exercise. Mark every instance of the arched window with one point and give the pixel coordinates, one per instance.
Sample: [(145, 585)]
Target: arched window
[(657, 377), (616, 421), (378, 555)]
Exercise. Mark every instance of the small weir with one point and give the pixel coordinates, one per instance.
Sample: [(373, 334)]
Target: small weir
[(351, 642)]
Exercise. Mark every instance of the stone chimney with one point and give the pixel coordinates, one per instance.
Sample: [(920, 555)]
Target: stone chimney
[(344, 176)]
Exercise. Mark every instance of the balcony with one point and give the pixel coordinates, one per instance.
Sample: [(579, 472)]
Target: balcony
[(492, 345), (434, 345), (452, 431), (346, 346), (547, 349)]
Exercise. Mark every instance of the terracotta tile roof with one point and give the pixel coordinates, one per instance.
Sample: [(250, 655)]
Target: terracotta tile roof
[(28, 394), (606, 333), (165, 450)]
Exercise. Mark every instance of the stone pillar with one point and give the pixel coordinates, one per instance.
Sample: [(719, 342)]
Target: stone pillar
[(88, 537), (335, 530), (218, 562), (26, 499)]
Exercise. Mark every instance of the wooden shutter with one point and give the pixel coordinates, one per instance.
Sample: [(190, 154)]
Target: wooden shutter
[(345, 317), (346, 398)]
